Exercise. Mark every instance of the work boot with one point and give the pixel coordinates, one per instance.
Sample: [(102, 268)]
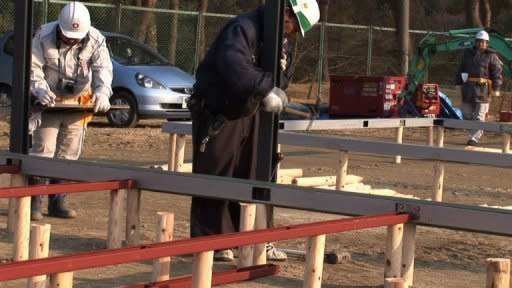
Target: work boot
[(274, 254), (224, 255), (35, 208), (57, 208)]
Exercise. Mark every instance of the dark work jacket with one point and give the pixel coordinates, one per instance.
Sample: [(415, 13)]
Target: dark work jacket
[(230, 78), (484, 64)]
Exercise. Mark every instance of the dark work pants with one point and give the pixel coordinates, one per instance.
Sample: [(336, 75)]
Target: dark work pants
[(231, 153)]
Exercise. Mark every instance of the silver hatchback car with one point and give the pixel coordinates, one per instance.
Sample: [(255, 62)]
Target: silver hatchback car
[(143, 79)]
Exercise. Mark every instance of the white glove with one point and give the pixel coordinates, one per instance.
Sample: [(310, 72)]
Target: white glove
[(496, 94), (283, 62), (43, 96), (275, 101), (101, 103)]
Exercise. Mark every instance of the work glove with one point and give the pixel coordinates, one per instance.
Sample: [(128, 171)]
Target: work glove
[(496, 94), (284, 60), (275, 101), (101, 103), (43, 96)]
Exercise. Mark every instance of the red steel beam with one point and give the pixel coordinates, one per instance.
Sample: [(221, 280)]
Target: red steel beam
[(11, 169), (58, 264), (218, 278), (34, 190)]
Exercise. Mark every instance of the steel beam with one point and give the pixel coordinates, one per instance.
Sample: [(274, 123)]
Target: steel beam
[(67, 263), (448, 215), (486, 126), (219, 278), (35, 190)]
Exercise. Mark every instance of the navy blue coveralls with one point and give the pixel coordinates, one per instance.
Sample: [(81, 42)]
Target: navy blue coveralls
[(232, 83)]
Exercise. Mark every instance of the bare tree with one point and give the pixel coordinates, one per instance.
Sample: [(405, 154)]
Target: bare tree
[(173, 37), (147, 31), (478, 13)]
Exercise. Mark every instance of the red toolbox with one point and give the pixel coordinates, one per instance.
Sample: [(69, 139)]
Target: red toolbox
[(365, 96), (427, 99)]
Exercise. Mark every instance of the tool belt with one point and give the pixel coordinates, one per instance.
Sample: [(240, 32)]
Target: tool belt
[(480, 80), (195, 103)]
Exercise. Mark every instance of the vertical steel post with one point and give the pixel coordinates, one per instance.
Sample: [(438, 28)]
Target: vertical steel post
[(273, 45), (198, 41), (370, 48), (320, 65), (404, 35), (21, 76)]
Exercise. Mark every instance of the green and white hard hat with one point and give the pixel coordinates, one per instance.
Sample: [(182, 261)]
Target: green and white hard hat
[(307, 13)]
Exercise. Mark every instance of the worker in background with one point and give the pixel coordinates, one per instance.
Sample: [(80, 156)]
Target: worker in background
[(480, 76), (231, 87), (70, 65)]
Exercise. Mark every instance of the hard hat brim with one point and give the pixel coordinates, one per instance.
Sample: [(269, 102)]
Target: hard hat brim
[(73, 35)]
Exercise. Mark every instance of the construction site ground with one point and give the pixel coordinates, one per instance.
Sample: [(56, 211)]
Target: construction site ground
[(444, 258)]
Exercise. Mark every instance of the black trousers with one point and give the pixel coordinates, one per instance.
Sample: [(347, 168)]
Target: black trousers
[(231, 153)]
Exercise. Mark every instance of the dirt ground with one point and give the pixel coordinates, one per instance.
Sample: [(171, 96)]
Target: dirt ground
[(444, 258)]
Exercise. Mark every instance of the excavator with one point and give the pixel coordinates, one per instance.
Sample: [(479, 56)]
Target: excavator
[(421, 99)]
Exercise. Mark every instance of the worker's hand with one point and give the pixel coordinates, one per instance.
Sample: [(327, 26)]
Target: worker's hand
[(101, 103), (275, 101), (496, 94), (43, 96), (284, 60)]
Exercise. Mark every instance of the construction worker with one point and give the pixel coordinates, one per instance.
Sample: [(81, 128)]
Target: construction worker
[(70, 65), (230, 89), (480, 77)]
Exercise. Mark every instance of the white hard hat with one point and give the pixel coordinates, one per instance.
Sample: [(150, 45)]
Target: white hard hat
[(74, 20), (482, 35), (307, 13)]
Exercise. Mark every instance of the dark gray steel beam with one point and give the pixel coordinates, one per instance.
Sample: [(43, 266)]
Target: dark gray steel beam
[(19, 141), (453, 216)]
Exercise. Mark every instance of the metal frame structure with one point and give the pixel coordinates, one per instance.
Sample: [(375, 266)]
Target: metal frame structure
[(438, 214), (101, 258)]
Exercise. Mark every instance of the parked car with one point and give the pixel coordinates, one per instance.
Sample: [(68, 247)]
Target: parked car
[(143, 79)]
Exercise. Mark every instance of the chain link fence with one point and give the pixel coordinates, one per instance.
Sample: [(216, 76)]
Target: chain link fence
[(184, 36)]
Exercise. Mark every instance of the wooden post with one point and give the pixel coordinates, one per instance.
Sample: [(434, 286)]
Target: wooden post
[(409, 245), (291, 172), (498, 273), (180, 152), (115, 222), (202, 270), (314, 265), (439, 168), (506, 142), (164, 232), (39, 248), (342, 170), (133, 217), (62, 280), (5, 180), (22, 220), (394, 283), (399, 140), (393, 251), (16, 180), (430, 136), (247, 222), (172, 151), (260, 251)]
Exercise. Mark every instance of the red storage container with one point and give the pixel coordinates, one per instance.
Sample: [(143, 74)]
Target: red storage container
[(365, 96), (427, 99)]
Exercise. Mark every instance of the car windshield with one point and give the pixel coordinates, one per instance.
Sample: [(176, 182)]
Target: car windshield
[(128, 52)]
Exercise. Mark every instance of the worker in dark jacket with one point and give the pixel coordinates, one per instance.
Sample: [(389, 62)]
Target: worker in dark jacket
[(231, 86), (480, 76)]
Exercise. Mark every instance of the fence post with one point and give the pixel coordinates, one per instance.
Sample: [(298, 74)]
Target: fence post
[(342, 170), (370, 48), (506, 142), (393, 250), (173, 138), (314, 265), (133, 217), (498, 273), (247, 221), (21, 220), (260, 251), (39, 248), (409, 245), (61, 280), (202, 270), (115, 227), (321, 53), (399, 140), (164, 232), (439, 168), (180, 152)]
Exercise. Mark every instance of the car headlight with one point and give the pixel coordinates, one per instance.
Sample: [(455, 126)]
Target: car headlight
[(148, 82)]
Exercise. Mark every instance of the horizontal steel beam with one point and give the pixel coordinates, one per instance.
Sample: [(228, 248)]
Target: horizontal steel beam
[(35, 190), (454, 216), (218, 278), (467, 124), (66, 263), (391, 149)]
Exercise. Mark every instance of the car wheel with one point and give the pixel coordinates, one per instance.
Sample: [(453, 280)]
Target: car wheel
[(5, 96), (123, 118)]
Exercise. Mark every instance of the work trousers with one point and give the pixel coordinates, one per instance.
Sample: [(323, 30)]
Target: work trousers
[(475, 111), (60, 135), (232, 153)]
